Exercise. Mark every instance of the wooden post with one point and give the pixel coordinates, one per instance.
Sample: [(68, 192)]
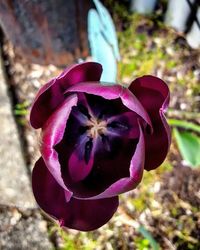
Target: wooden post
[(143, 6), (193, 37), (47, 32), (178, 13)]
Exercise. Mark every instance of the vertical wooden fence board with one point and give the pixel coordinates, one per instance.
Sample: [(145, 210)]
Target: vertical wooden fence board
[(47, 31)]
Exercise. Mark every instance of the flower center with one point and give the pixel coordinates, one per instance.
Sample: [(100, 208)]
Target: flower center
[(96, 127)]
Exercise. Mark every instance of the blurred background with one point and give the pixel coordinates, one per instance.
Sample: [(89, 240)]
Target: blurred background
[(38, 39)]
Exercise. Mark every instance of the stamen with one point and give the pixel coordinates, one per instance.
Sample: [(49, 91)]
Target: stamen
[(106, 142), (96, 127), (88, 150), (101, 114), (118, 125), (83, 110)]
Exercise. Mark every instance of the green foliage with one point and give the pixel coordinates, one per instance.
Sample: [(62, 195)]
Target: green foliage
[(140, 55), (142, 244), (189, 146), (21, 109), (184, 124), (146, 194), (118, 11), (80, 241), (188, 143), (148, 237)]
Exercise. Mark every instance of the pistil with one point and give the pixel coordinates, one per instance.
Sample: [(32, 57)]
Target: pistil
[(96, 127)]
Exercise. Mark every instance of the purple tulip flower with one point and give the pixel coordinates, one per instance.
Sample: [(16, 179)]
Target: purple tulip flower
[(96, 141)]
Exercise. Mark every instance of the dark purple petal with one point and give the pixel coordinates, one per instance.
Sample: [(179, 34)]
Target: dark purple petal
[(125, 125), (113, 172), (82, 100), (50, 96), (81, 160), (153, 93), (84, 215), (110, 93), (108, 167), (52, 134), (136, 167), (102, 108)]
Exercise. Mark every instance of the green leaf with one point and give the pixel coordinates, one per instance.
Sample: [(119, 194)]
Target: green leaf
[(189, 146), (22, 105), (184, 124), (21, 112), (147, 235)]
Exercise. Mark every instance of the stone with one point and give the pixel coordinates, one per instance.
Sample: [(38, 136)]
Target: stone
[(23, 229), (15, 185)]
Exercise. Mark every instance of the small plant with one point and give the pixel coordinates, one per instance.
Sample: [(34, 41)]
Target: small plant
[(21, 111)]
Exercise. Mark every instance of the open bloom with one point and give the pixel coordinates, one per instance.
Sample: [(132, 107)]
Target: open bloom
[(96, 142)]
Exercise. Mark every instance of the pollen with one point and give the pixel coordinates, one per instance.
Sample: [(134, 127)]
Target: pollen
[(96, 127)]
